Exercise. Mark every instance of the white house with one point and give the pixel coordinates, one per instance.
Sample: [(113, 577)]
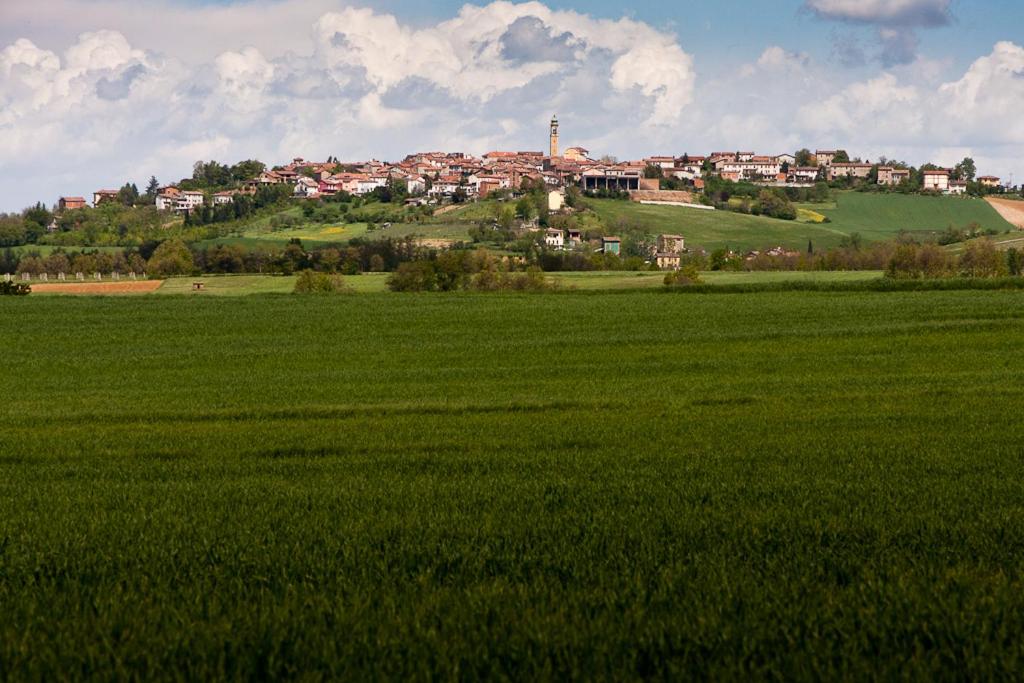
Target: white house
[(165, 202), (190, 199), (306, 188), (936, 180), (554, 238), (224, 198)]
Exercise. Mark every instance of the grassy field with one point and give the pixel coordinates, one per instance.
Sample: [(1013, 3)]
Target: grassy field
[(791, 486), (882, 216), (875, 216), (715, 229), (371, 283), (47, 249)]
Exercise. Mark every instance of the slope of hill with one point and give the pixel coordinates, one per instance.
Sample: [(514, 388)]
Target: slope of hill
[(874, 216), (714, 229), (882, 216)]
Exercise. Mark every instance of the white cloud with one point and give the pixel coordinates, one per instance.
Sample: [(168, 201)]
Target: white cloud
[(884, 12)]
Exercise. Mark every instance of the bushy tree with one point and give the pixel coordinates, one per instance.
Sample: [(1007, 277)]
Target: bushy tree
[(172, 257), (312, 282)]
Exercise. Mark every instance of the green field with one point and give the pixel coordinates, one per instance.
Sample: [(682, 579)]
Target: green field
[(876, 217), (883, 216), (712, 230), (369, 283), (788, 486)]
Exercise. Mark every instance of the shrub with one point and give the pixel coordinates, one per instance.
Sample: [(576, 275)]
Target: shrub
[(14, 289), (686, 276), (312, 282), (413, 276)]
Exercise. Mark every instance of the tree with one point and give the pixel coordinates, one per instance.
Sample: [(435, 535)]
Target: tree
[(1014, 261), (172, 257), (841, 157), (152, 188), (128, 195), (965, 170), (247, 170), (653, 171), (804, 158), (525, 209)]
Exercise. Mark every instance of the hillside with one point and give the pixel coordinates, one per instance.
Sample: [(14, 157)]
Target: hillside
[(882, 216), (714, 229), (875, 216)]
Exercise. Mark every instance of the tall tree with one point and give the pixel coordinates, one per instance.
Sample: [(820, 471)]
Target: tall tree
[(804, 158), (966, 170)]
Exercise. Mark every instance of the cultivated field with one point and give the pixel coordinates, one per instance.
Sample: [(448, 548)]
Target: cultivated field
[(794, 486), (876, 217), (715, 229), (883, 216), (1011, 210)]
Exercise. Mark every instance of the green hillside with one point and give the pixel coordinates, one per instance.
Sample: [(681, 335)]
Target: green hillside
[(874, 216), (880, 216), (714, 229)]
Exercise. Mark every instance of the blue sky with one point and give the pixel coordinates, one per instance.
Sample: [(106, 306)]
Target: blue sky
[(97, 92)]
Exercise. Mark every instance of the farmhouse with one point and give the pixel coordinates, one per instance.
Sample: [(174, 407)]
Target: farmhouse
[(936, 180), (989, 181), (671, 244), (849, 170), (70, 203), (668, 261), (223, 197), (825, 157), (103, 196), (887, 175), (554, 238)]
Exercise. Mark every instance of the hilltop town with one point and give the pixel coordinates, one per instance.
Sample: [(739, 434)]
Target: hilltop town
[(438, 177)]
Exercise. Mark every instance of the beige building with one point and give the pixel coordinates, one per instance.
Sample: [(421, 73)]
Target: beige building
[(824, 157), (888, 175), (671, 244), (577, 154), (556, 200), (936, 180), (668, 261), (851, 170)]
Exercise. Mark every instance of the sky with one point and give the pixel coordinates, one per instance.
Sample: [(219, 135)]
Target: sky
[(96, 93)]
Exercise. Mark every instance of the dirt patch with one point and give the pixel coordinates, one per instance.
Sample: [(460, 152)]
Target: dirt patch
[(435, 243), (1012, 211), (445, 209), (661, 196), (140, 287)]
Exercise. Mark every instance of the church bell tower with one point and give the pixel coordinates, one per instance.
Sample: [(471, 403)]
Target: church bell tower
[(554, 137)]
